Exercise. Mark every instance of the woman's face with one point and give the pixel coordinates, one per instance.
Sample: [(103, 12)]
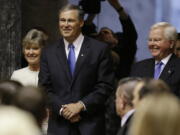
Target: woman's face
[(32, 54)]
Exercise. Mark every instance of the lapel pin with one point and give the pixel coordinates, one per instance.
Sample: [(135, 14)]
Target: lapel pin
[(82, 55)]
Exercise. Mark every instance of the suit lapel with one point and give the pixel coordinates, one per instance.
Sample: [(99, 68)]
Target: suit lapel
[(149, 68), (168, 69), (61, 55), (82, 56)]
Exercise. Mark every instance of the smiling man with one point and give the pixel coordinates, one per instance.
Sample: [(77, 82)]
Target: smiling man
[(77, 75), (164, 64)]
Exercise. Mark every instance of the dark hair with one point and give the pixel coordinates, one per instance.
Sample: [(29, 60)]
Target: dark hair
[(151, 86), (8, 91), (33, 100), (91, 6), (178, 36), (73, 7)]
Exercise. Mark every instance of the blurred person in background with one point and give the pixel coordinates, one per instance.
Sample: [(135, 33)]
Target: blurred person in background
[(17, 122), (124, 105), (123, 49), (33, 100), (8, 91), (91, 8), (148, 86), (157, 114), (177, 46), (122, 44)]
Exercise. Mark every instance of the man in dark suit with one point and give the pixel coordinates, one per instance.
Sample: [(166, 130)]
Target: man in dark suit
[(164, 64), (77, 75), (124, 105)]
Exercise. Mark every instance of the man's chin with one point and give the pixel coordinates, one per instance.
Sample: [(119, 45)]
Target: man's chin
[(154, 54), (66, 34)]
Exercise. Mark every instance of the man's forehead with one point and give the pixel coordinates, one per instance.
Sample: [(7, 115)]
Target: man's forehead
[(67, 12), (105, 30)]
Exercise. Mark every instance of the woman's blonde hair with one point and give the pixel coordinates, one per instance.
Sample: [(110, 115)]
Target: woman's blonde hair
[(157, 114), (35, 37)]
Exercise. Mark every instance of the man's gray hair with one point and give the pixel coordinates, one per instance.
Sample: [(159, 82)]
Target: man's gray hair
[(170, 31), (73, 7), (126, 87)]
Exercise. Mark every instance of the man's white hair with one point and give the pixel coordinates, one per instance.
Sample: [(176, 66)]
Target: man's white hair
[(170, 31)]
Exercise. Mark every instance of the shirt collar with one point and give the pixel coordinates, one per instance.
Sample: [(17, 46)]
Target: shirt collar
[(164, 60), (126, 116), (76, 42)]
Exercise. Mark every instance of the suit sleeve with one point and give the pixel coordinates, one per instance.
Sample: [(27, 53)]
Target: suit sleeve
[(133, 72), (46, 82), (104, 85)]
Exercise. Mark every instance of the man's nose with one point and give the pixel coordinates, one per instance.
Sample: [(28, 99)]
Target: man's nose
[(66, 22), (31, 51)]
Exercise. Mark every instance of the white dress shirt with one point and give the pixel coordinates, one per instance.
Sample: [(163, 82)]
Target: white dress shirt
[(126, 116), (77, 45), (164, 61)]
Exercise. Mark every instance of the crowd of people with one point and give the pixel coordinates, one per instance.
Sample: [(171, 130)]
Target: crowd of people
[(88, 82)]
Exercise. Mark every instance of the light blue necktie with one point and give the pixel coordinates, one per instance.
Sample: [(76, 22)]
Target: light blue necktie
[(157, 72), (71, 58)]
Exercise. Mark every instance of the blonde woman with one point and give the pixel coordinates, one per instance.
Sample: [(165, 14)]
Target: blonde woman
[(157, 114), (32, 44)]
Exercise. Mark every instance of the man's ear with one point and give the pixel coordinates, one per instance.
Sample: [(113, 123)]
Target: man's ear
[(123, 102), (81, 23), (172, 43)]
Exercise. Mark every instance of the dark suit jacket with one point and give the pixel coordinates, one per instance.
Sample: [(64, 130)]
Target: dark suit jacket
[(92, 83), (125, 129), (170, 73)]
